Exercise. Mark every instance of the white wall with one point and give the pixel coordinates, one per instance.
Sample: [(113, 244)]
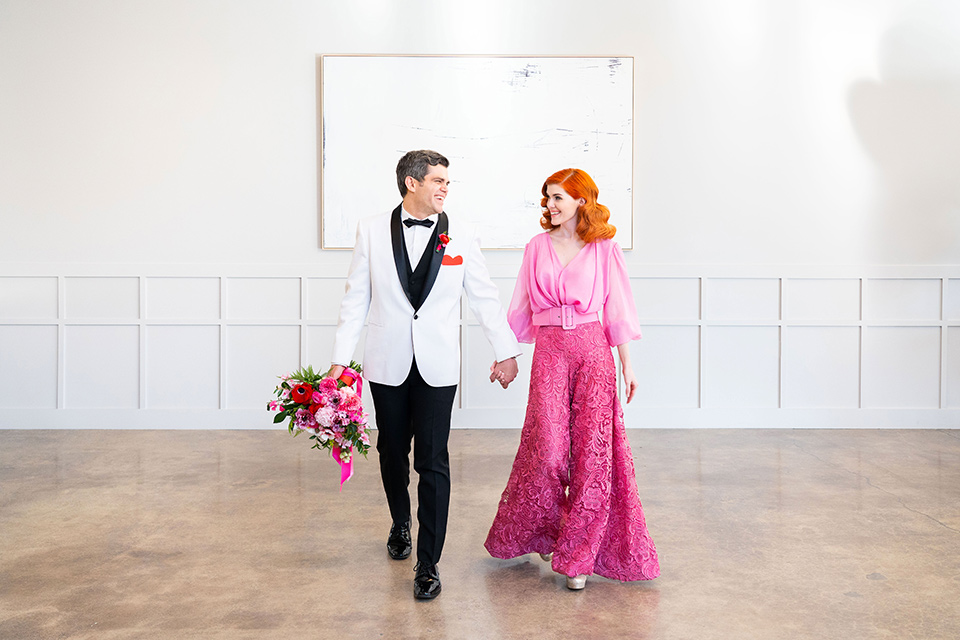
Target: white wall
[(797, 210)]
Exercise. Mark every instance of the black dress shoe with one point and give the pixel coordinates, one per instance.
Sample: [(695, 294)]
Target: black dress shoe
[(426, 586), (399, 544)]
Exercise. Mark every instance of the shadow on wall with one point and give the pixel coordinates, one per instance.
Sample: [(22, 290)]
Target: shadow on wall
[(909, 123)]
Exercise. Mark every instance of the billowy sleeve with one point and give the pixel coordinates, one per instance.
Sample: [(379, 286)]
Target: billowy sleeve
[(520, 314), (620, 322)]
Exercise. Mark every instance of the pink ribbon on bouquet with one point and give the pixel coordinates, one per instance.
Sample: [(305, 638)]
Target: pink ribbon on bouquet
[(346, 468), (349, 376)]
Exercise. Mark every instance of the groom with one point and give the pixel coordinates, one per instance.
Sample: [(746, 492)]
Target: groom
[(406, 278)]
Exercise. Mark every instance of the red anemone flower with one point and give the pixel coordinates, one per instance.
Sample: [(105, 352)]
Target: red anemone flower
[(302, 393)]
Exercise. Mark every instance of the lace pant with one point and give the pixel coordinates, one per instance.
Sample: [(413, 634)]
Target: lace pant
[(573, 490)]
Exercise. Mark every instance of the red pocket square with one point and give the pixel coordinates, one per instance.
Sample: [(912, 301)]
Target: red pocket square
[(452, 260)]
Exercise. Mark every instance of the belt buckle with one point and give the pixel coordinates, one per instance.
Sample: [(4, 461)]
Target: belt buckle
[(566, 317)]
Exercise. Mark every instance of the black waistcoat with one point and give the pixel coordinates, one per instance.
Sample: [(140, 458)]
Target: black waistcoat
[(417, 278)]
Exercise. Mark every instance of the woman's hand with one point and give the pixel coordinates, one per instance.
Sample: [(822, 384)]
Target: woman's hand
[(630, 382), (623, 351)]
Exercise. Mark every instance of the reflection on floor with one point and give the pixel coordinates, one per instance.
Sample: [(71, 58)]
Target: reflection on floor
[(243, 534)]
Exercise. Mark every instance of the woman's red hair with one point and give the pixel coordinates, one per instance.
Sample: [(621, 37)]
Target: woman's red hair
[(592, 217)]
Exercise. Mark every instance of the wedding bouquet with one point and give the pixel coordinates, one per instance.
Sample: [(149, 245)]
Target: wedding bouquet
[(329, 410)]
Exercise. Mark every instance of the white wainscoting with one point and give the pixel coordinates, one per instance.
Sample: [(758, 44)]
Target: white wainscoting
[(749, 347)]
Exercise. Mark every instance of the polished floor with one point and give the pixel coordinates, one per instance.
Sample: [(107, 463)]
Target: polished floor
[(762, 534)]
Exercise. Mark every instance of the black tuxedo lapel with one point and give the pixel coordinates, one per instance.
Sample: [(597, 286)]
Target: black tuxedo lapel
[(436, 257), (400, 252)]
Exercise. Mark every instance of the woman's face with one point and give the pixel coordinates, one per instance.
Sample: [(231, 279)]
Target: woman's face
[(561, 206)]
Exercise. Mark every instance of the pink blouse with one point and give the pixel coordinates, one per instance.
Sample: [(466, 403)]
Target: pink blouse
[(596, 279)]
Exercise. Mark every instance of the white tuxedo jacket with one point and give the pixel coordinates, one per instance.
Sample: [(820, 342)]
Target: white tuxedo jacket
[(375, 292)]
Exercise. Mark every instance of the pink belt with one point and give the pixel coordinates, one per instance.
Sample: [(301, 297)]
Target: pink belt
[(565, 316)]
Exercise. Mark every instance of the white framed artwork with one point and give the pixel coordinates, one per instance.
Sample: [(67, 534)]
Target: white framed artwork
[(504, 122)]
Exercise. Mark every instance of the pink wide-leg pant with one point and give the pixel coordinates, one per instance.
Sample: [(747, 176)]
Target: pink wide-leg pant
[(573, 490)]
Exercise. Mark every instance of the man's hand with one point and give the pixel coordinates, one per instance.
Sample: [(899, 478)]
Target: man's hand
[(335, 371), (504, 372)]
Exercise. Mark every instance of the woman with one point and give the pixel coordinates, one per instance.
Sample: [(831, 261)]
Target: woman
[(572, 491)]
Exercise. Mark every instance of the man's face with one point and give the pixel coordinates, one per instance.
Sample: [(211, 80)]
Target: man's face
[(426, 198)]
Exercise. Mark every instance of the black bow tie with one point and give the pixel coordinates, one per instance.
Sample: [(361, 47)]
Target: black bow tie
[(423, 223)]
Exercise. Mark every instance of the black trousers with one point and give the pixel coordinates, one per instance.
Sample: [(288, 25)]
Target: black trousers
[(416, 411)]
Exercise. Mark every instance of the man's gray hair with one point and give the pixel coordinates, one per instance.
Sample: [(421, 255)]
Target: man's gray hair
[(416, 165)]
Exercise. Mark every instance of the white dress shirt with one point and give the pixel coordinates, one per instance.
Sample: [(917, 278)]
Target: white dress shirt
[(416, 237)]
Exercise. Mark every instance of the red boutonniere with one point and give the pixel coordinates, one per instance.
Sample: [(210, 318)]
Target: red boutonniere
[(444, 241)]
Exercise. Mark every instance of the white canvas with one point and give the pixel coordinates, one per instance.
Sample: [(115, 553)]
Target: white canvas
[(505, 123)]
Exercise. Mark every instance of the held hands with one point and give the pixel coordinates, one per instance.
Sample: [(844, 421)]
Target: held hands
[(335, 371), (504, 372)]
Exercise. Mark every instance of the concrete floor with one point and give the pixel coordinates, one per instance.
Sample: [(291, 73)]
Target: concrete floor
[(243, 534)]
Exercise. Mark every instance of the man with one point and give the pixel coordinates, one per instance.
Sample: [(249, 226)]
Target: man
[(408, 272)]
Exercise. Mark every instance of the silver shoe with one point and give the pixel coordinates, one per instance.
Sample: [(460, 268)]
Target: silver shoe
[(576, 583)]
